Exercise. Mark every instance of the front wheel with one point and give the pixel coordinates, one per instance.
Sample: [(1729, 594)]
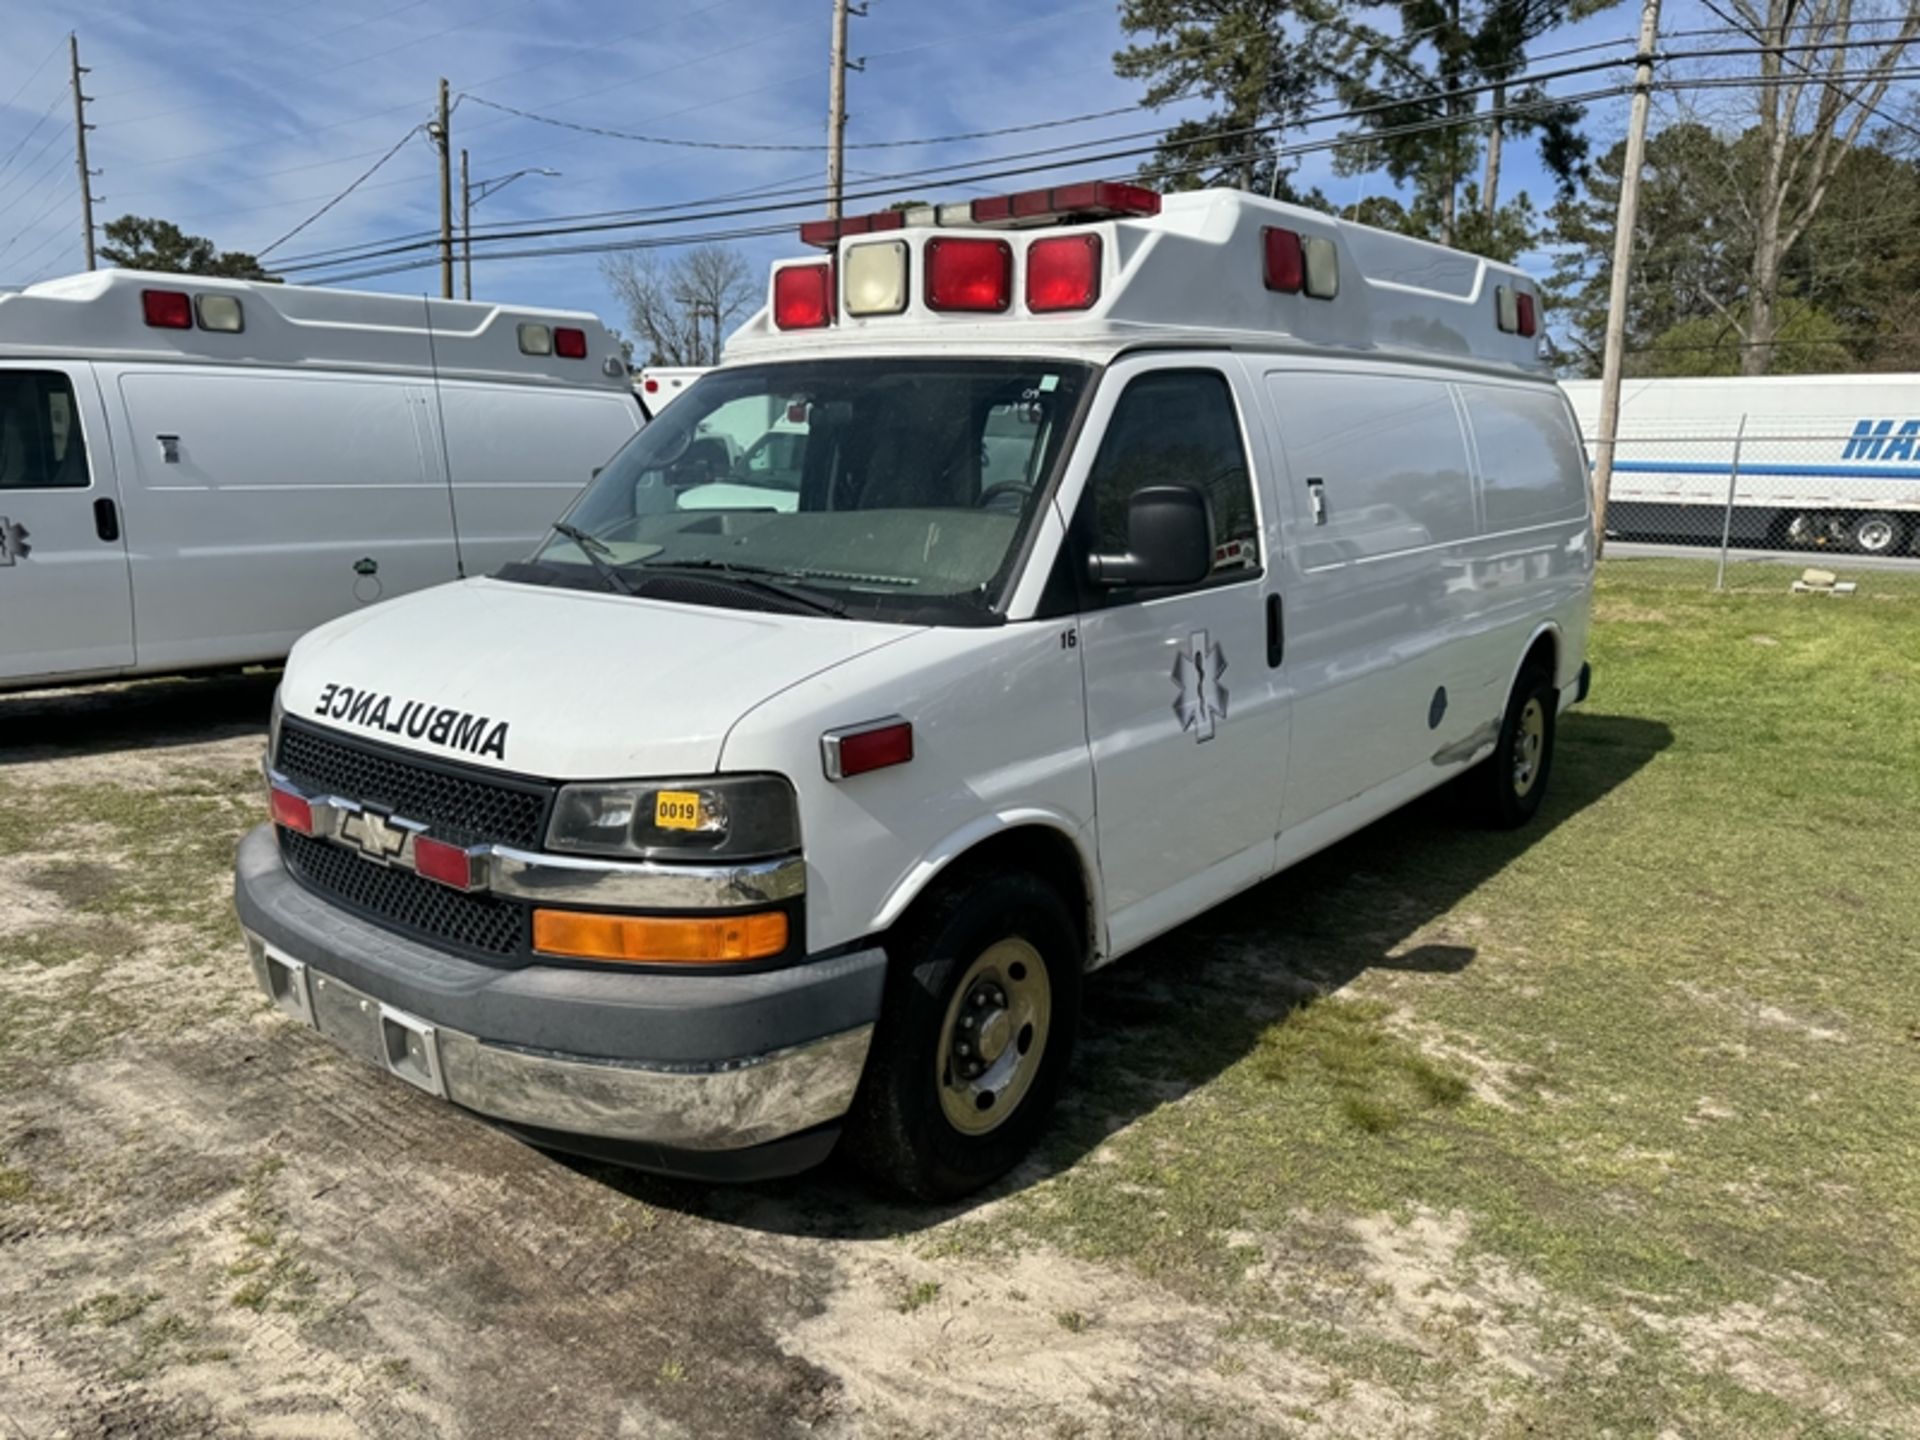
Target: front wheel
[(974, 1037), (1504, 790)]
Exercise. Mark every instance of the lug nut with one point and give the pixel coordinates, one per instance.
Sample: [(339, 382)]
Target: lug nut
[(966, 1022), (979, 998), (964, 1048)]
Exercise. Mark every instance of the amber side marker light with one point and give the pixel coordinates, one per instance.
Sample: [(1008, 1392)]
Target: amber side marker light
[(654, 939)]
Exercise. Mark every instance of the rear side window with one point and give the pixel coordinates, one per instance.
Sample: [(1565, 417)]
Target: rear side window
[(1532, 471), (40, 443), (1178, 427)]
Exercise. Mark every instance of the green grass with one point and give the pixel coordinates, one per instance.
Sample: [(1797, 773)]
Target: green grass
[(1649, 1069)]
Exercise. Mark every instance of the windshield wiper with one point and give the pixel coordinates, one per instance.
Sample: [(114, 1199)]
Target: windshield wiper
[(752, 577), (596, 550)]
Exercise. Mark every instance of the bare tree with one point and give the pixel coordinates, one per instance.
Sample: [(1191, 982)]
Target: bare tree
[(1824, 69), (679, 312)]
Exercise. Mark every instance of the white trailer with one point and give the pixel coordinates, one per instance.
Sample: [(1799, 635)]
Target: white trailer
[(194, 471), (1829, 461)]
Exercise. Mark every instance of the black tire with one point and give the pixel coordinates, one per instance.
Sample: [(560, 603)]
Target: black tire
[(899, 1130), (1875, 533), (1500, 794)]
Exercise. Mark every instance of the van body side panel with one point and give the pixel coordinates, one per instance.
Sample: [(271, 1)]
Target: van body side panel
[(1535, 563), (64, 601), (1380, 649), (518, 456), (261, 504), (999, 738)]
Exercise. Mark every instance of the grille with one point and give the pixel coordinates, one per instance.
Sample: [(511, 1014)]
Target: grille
[(403, 900), (459, 805)]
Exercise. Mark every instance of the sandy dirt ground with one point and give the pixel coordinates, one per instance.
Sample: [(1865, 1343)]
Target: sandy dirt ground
[(212, 1224)]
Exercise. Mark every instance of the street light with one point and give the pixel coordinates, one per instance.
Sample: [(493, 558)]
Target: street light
[(472, 195)]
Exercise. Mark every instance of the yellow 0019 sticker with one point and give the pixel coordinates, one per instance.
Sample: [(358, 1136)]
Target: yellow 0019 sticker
[(676, 810)]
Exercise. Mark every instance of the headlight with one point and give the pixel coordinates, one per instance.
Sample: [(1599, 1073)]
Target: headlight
[(736, 817)]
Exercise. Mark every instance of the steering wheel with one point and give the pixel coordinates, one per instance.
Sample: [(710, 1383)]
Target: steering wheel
[(1003, 487)]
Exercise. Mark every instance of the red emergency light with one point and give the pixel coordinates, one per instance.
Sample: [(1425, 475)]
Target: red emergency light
[(445, 863), (1063, 273), (1087, 200), (803, 296), (568, 343), (969, 274), (167, 309)]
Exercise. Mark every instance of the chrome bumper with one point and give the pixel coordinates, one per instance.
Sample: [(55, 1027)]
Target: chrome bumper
[(716, 1106)]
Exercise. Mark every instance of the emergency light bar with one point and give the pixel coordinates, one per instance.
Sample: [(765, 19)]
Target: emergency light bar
[(1088, 200)]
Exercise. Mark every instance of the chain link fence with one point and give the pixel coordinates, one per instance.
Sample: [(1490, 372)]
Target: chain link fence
[(1757, 507)]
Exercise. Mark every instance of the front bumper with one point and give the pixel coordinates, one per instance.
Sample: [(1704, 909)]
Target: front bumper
[(671, 1072)]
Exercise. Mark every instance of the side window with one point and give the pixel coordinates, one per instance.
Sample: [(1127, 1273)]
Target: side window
[(40, 443), (1178, 427)]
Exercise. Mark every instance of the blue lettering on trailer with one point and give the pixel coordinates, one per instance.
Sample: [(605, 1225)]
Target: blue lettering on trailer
[(1876, 440)]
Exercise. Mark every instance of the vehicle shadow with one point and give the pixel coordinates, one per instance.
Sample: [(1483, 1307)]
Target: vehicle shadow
[(38, 725), (1170, 1017)]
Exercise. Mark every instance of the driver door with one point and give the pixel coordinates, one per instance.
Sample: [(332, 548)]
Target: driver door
[(1187, 713), (64, 595)]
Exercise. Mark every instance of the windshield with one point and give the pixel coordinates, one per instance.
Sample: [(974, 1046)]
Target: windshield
[(885, 488)]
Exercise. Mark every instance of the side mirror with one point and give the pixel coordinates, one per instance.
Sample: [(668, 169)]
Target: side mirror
[(1169, 540)]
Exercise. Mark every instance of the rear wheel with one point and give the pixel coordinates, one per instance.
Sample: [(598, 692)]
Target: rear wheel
[(1504, 790), (974, 1037), (1874, 533)]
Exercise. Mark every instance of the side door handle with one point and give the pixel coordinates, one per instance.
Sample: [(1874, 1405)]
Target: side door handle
[(1276, 632), (106, 520)]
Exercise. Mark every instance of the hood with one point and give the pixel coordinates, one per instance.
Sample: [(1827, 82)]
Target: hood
[(563, 684)]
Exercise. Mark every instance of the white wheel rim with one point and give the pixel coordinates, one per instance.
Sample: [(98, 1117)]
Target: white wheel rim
[(1875, 535), (994, 1037), (1529, 746)]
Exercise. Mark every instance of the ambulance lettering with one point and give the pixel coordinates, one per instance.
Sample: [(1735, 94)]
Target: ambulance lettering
[(417, 720)]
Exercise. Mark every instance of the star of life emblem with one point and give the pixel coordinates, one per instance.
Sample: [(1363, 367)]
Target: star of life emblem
[(13, 542), (1202, 699)]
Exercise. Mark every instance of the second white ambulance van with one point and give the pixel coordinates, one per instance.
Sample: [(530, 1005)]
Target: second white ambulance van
[(196, 471), (1120, 554)]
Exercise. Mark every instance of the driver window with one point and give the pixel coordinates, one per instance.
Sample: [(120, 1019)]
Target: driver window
[(1178, 427), (40, 442)]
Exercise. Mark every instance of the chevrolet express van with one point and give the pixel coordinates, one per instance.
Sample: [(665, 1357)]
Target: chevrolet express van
[(1126, 552), (194, 471)]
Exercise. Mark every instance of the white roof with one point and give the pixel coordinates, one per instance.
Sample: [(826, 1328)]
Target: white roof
[(98, 316), (1194, 274)]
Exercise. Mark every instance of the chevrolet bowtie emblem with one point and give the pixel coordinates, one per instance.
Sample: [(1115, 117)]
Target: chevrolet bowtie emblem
[(377, 836)]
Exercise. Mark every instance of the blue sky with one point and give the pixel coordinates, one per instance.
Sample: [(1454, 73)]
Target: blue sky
[(238, 120)]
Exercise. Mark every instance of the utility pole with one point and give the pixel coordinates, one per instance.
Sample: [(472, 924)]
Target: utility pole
[(80, 128), (1616, 337), (837, 103), (466, 231), (442, 138)]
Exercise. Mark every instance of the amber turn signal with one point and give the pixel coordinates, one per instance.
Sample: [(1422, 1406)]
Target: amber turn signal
[(656, 939)]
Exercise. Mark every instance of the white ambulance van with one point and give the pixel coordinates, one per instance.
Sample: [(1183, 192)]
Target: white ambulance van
[(660, 385), (1136, 550), (194, 472)]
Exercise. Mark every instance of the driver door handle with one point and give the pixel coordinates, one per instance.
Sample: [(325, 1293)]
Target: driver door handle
[(1276, 632)]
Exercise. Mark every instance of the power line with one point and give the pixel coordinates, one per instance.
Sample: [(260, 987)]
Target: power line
[(364, 175), (32, 76), (52, 105), (1155, 134), (1808, 71), (813, 202), (802, 148)]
